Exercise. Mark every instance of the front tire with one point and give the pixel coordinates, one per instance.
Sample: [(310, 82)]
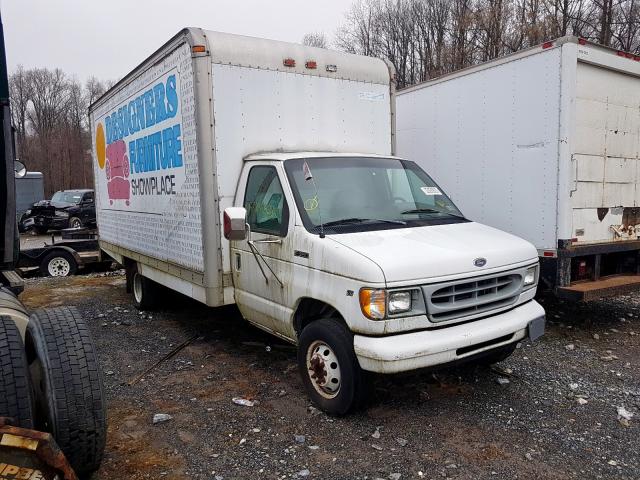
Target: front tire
[(58, 264), (329, 368), (75, 222), (67, 383), (15, 391)]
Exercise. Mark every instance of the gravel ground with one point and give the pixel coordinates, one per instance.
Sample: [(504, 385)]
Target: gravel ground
[(550, 411)]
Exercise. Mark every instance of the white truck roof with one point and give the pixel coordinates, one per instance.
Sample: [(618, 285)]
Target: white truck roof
[(265, 54), (282, 156)]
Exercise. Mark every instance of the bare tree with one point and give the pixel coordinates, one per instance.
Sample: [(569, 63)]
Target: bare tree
[(20, 91), (95, 89), (51, 115), (315, 39)]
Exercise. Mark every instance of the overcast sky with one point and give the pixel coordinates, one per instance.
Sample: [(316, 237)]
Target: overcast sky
[(109, 38)]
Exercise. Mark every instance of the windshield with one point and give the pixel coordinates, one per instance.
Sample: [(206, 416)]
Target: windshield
[(66, 197), (359, 193)]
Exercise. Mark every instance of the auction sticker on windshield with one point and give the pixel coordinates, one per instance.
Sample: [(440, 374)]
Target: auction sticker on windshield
[(431, 191)]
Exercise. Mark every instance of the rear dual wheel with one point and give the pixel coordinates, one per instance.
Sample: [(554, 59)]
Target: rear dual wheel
[(146, 292), (67, 386), (15, 391)]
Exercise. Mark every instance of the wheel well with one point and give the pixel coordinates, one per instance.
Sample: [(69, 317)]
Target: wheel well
[(57, 251), (310, 310)]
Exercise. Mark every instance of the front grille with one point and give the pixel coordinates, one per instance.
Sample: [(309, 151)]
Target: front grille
[(471, 297)]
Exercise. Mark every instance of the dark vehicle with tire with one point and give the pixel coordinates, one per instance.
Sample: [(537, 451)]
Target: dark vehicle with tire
[(49, 373), (66, 209), (78, 249)]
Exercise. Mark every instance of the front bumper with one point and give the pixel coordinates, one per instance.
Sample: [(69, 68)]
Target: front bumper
[(427, 348), (52, 222)]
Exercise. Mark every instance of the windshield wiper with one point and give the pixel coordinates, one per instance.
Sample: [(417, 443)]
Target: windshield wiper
[(430, 210), (347, 221), (421, 210)]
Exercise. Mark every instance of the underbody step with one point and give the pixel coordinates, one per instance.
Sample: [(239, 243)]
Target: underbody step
[(605, 287)]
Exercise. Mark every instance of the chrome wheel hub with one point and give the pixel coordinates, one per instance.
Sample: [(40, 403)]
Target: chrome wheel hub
[(323, 369)]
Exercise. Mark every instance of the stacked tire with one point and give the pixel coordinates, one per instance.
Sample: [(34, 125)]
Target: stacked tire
[(15, 391), (53, 384)]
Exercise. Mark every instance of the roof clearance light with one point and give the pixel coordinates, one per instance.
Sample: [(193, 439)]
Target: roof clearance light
[(289, 62), (625, 54), (332, 68), (547, 45), (311, 64), (198, 49)]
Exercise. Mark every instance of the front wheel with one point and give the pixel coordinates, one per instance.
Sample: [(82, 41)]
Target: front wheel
[(329, 367), (75, 222)]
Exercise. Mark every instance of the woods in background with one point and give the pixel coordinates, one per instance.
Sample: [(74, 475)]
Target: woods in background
[(422, 38), (427, 38), (50, 114)]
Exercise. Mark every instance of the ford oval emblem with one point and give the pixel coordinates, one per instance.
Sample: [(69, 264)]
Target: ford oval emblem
[(480, 262)]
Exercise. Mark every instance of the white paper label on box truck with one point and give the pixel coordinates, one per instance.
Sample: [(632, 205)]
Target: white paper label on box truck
[(146, 179)]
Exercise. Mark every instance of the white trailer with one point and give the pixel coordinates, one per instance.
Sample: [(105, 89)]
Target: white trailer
[(248, 171), (545, 144)]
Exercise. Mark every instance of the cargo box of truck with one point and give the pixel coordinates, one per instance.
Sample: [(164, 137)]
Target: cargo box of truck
[(244, 171), (545, 144)]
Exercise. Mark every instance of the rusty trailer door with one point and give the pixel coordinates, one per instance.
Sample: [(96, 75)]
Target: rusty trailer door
[(605, 199)]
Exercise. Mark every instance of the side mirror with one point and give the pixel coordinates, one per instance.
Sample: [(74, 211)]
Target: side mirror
[(235, 223), (19, 169)]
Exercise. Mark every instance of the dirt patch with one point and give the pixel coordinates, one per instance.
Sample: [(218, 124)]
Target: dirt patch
[(70, 290), (457, 423)]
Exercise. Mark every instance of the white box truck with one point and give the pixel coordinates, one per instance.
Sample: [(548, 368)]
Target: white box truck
[(259, 173), (545, 144)]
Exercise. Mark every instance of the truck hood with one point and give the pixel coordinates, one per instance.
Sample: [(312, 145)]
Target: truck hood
[(418, 253)]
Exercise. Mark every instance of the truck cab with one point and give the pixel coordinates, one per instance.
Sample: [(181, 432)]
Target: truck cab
[(375, 249)]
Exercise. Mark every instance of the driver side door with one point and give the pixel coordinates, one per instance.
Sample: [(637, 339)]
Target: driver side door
[(262, 264)]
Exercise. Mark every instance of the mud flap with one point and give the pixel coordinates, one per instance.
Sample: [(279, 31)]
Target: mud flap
[(31, 454), (536, 328)]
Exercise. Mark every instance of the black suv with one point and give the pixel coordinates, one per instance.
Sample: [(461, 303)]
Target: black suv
[(66, 209)]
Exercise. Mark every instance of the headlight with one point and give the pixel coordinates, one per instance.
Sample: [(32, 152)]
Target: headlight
[(399, 302), (61, 214), (373, 303), (378, 304), (531, 276)]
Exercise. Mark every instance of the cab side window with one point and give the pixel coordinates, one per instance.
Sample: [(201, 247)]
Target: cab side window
[(267, 210)]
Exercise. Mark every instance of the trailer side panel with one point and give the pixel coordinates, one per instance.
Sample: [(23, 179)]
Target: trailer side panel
[(490, 138), (146, 163)]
